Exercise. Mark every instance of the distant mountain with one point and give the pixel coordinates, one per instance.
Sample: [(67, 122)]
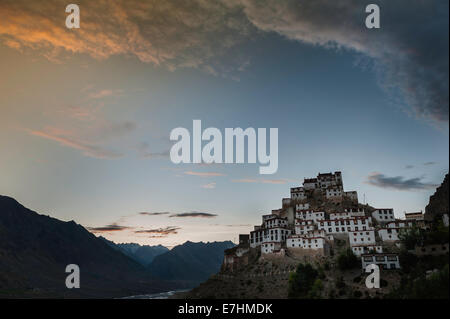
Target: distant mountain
[(190, 262), (35, 249), (143, 254)]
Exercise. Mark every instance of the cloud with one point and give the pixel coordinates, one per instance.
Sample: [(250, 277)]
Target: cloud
[(410, 51), (81, 113), (429, 163), (245, 180), (238, 225), (86, 148), (159, 232), (398, 182), (104, 93), (204, 174), (89, 138), (409, 166), (194, 214), (274, 181), (108, 228), (154, 155), (209, 186), (113, 130), (171, 33), (144, 152), (261, 181), (153, 213)]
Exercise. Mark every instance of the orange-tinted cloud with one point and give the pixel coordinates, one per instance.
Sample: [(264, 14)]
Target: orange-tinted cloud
[(197, 33), (203, 174), (86, 148), (104, 93), (173, 33)]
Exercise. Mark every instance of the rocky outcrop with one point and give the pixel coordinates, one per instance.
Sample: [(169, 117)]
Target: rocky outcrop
[(438, 204)]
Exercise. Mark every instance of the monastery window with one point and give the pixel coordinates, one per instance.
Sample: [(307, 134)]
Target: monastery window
[(392, 258)]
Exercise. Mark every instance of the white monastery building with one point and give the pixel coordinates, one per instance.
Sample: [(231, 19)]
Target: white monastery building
[(383, 215), (298, 227)]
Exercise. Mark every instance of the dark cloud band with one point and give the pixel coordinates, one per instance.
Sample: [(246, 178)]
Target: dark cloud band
[(108, 228), (194, 214), (398, 182)]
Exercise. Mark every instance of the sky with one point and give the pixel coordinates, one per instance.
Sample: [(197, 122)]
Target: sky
[(86, 113)]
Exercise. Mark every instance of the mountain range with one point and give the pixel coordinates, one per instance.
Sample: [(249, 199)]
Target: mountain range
[(191, 263), (35, 250), (143, 254)]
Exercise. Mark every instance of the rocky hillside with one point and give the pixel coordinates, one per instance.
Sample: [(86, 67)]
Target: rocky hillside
[(438, 204), (269, 278)]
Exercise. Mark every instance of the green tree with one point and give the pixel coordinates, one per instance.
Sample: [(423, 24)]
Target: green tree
[(435, 286), (412, 237), (347, 260), (301, 281), (316, 289)]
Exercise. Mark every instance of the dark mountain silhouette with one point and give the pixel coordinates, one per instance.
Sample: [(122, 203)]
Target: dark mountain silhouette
[(438, 204), (35, 249), (191, 263), (143, 254)]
